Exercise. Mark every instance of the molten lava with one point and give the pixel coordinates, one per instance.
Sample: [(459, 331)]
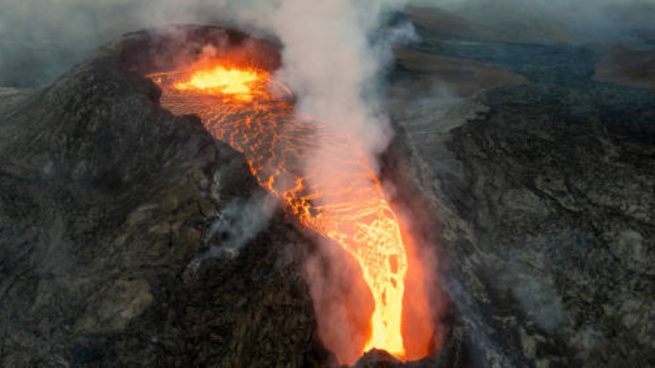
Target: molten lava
[(240, 106), (222, 80)]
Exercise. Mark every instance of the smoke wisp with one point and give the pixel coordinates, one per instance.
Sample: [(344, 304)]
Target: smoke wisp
[(240, 222)]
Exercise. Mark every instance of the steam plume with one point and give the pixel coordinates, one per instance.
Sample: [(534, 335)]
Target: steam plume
[(329, 62), (333, 62)]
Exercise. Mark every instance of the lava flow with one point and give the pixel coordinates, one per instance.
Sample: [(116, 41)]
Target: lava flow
[(245, 108)]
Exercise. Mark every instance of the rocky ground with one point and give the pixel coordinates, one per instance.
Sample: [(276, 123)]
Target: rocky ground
[(629, 67), (545, 193), (105, 204), (537, 182)]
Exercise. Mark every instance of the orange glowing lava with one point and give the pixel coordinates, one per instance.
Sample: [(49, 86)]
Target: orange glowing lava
[(339, 197), (223, 80)]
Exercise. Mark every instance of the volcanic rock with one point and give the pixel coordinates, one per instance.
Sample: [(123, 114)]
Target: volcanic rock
[(106, 201), (543, 193), (491, 21), (628, 67), (458, 76)]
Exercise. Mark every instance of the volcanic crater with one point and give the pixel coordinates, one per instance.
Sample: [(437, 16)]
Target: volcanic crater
[(161, 181), (390, 294)]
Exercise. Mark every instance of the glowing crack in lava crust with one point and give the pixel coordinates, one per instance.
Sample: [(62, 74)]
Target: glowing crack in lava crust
[(240, 105)]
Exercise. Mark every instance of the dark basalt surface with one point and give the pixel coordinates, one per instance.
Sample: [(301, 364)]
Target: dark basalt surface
[(545, 194)]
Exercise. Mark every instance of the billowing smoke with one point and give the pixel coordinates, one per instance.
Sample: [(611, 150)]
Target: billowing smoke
[(335, 53), (329, 61)]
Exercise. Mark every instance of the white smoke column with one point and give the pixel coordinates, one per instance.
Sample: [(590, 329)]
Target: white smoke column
[(329, 62), (333, 52)]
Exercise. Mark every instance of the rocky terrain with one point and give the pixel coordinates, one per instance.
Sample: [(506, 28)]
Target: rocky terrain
[(535, 182), (106, 203), (545, 193), (629, 67)]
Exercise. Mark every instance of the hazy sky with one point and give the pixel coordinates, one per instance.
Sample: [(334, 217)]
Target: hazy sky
[(41, 38)]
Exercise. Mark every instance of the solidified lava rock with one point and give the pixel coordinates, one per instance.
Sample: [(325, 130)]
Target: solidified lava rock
[(544, 196), (105, 202), (378, 358)]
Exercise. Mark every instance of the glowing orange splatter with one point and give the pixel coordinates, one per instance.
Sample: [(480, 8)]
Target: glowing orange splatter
[(345, 203)]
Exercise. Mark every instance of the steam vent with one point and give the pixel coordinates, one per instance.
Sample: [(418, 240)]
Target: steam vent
[(187, 196)]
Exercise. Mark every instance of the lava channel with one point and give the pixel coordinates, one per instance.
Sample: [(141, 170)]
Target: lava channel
[(242, 106)]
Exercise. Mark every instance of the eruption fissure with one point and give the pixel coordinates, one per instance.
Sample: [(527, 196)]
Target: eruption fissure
[(247, 109)]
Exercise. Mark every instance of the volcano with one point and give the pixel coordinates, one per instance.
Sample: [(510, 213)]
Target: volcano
[(239, 104), (532, 190)]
